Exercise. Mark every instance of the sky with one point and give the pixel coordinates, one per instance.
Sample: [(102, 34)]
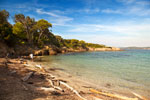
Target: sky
[(119, 23)]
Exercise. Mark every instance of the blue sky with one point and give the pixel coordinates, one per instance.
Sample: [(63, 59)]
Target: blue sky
[(117, 23)]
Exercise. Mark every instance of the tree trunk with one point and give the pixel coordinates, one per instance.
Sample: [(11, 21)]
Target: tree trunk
[(40, 37)]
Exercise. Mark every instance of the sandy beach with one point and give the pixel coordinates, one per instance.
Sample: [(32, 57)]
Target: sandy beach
[(16, 86)]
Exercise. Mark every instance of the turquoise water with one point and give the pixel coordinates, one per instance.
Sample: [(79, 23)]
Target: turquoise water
[(124, 71)]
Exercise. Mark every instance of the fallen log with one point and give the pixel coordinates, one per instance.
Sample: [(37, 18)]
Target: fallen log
[(139, 96), (25, 78), (74, 91), (113, 95)]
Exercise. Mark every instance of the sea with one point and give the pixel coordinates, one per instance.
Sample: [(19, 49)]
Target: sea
[(120, 71)]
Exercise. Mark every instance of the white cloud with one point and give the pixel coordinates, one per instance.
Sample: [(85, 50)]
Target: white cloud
[(112, 11), (127, 1), (121, 29), (112, 40), (62, 21), (131, 10), (140, 11), (83, 10), (87, 10), (115, 35), (39, 11), (56, 19), (134, 7), (90, 3), (143, 3)]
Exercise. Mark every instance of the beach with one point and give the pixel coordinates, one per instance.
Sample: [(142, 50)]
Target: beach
[(124, 71), (74, 50), (13, 86)]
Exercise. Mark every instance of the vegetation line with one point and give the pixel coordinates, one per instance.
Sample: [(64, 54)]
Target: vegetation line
[(35, 35)]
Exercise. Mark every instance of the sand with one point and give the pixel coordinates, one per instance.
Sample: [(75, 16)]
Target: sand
[(13, 88)]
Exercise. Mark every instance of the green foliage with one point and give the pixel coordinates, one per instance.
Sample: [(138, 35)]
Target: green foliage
[(43, 24), (27, 24), (42, 28), (95, 45), (60, 40), (19, 30), (6, 29), (4, 16), (28, 31), (76, 44)]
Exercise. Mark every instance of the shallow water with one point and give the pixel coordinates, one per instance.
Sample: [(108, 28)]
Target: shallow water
[(122, 71)]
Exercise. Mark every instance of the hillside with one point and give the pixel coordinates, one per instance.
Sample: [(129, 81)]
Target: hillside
[(29, 36)]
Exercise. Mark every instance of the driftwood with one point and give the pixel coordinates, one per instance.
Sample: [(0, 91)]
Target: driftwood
[(60, 82), (139, 96), (51, 90), (26, 65), (74, 91), (55, 87), (58, 88), (46, 89), (63, 83), (41, 68), (51, 76), (113, 95), (25, 78)]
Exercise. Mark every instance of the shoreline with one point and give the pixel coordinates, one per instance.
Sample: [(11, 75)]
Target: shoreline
[(82, 82), (79, 85)]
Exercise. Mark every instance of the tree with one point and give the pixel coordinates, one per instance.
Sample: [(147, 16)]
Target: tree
[(4, 16), (5, 27), (82, 44), (42, 26), (60, 40), (28, 25), (19, 30)]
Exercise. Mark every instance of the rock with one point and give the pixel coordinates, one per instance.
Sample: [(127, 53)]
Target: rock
[(38, 52), (45, 52), (64, 50), (116, 49), (46, 47), (105, 49), (52, 52)]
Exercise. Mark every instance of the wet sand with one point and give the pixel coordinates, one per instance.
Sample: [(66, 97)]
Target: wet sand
[(13, 88)]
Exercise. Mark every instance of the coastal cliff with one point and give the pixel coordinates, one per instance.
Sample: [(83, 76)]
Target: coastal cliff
[(54, 51), (28, 36), (25, 50)]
